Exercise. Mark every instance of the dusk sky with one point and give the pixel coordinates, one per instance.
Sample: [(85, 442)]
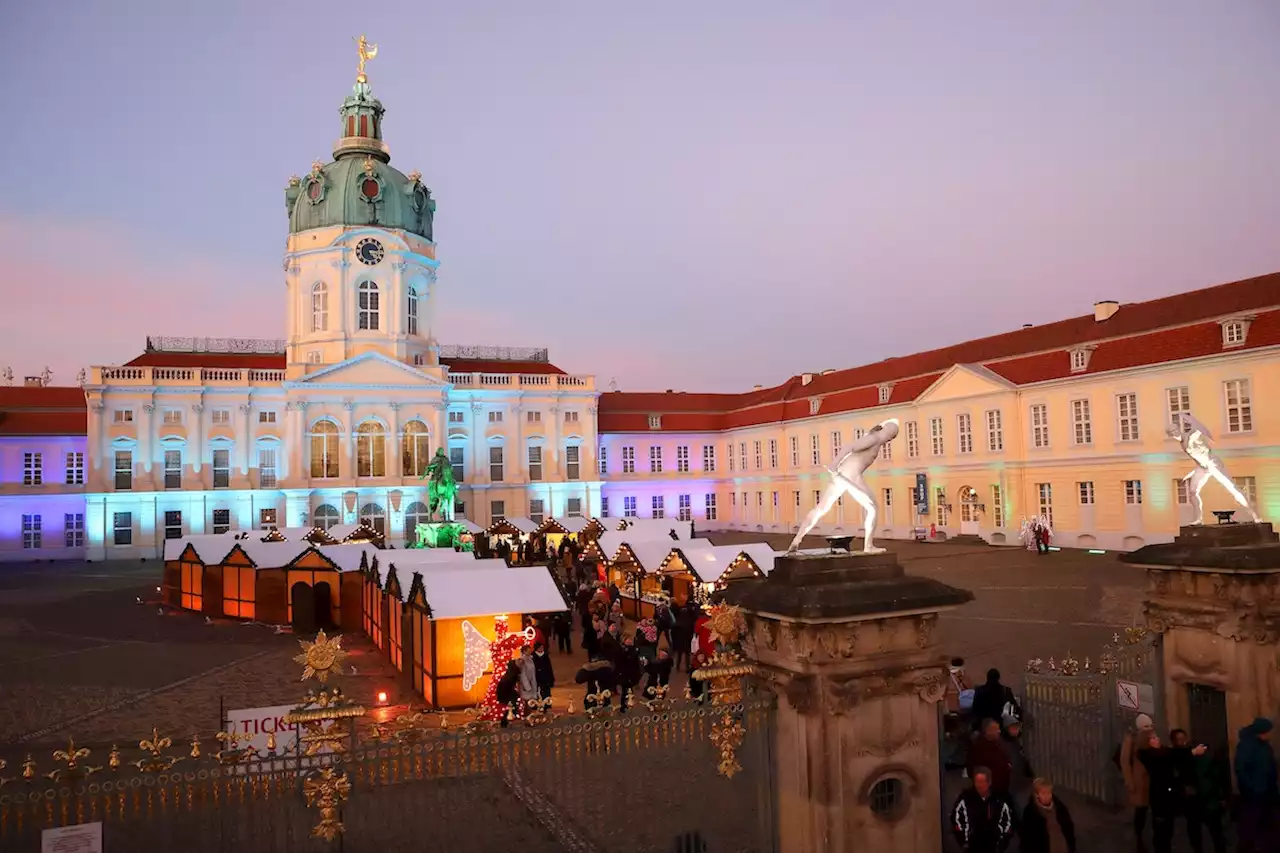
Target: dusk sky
[(692, 195)]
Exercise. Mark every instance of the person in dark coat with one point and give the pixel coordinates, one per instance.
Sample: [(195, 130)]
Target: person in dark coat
[(546, 676), (981, 821), (1194, 807), (658, 674), (989, 752), (1256, 782), (508, 690), (1046, 824), (682, 634), (562, 628), (597, 675), (990, 700), (626, 662), (1171, 779), (1213, 787)]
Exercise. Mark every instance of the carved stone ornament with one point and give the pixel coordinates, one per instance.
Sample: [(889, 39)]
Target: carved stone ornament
[(197, 407), (399, 266), (302, 404), (340, 264), (148, 408), (1220, 587), (769, 630), (439, 405), (476, 408), (1161, 582), (801, 693), (97, 405), (245, 408), (932, 689), (393, 406), (924, 629), (349, 405), (591, 410)]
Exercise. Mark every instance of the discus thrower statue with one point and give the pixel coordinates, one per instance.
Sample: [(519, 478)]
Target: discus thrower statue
[(1194, 437)]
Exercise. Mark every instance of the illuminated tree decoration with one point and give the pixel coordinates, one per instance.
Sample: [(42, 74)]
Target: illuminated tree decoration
[(479, 654)]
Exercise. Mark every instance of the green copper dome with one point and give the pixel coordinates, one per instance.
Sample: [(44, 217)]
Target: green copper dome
[(360, 187)]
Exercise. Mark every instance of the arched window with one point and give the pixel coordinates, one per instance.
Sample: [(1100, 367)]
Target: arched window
[(368, 311), (324, 450), (411, 323), (319, 306), (415, 449), (325, 516), (414, 514), (371, 450), (374, 516)]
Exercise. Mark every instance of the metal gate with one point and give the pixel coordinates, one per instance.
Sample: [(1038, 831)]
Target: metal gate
[(1077, 713)]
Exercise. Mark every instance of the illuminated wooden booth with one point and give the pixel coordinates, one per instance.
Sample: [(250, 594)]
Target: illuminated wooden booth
[(294, 583), (422, 625), (634, 568), (578, 529), (695, 572)]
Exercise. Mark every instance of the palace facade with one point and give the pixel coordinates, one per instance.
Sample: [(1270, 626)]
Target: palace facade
[(335, 422)]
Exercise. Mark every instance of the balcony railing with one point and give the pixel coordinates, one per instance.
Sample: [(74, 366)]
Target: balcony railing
[(195, 376), (521, 380)]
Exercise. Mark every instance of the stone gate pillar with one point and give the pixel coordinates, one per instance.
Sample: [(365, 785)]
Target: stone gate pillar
[(1214, 596), (846, 641)]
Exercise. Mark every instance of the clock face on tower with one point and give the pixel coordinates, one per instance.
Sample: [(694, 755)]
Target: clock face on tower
[(369, 251)]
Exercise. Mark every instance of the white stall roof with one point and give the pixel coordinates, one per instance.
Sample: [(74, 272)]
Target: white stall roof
[(575, 524), (341, 531), (271, 555), (489, 591), (469, 525), (211, 547), (762, 554), (650, 552), (347, 557), (524, 525), (294, 534), (710, 563), (655, 528)]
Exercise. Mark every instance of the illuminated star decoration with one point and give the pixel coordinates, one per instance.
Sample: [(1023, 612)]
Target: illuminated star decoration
[(321, 657)]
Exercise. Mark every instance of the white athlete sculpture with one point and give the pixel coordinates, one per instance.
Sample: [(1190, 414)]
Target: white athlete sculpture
[(846, 476), (1194, 438)]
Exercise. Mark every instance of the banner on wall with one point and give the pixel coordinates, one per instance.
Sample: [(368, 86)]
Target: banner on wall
[(920, 495)]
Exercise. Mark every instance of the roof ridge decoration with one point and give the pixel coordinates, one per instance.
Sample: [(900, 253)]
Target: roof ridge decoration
[(258, 346)]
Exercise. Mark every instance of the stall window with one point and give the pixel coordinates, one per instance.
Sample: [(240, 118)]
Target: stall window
[(239, 591), (192, 586)]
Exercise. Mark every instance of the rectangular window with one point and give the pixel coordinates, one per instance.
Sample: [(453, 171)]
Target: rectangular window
[(940, 505), (1183, 493), (573, 508), (267, 518), (759, 456), (221, 520), (1045, 493), (1040, 425), (742, 455), (658, 505), (457, 461), (1179, 401), (1081, 423), (997, 506), (796, 495), (75, 469), (31, 537), (32, 469), (655, 459), (124, 470), (537, 510), (685, 507), (964, 433), (173, 469), (221, 468), (682, 459), (456, 417), (995, 431), (628, 460), (122, 528), (709, 504), (268, 417), (1133, 492), (1086, 492), (572, 462), (314, 356), (220, 417), (172, 524), (773, 453), (604, 459), (1248, 487), (655, 421), (497, 511), (774, 515), (836, 444), (1127, 412), (571, 417), (122, 416), (709, 458), (815, 453), (533, 417), (172, 416), (495, 417), (535, 463), (73, 528), (496, 466), (935, 436), (886, 450), (913, 440), (887, 496), (629, 507), (604, 506), (795, 451), (1239, 405), (728, 450), (266, 467)]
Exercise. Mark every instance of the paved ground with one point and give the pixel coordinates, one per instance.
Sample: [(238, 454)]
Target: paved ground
[(79, 655)]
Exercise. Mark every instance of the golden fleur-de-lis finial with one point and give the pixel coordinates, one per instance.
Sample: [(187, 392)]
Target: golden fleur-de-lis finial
[(156, 744), (195, 746), (271, 741), (113, 757), (320, 658), (29, 768)]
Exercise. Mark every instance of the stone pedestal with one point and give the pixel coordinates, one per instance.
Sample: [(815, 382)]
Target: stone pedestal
[(1214, 596), (846, 641)]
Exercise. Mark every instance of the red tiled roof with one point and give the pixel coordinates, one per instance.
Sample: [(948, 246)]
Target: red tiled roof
[(229, 360), (473, 365), (1168, 329), (53, 410)]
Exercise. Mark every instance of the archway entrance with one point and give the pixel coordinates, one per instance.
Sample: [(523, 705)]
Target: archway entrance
[(970, 511), (303, 601), (324, 605)]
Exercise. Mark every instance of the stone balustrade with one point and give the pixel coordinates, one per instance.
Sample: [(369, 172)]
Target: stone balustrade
[(192, 376), (522, 380)]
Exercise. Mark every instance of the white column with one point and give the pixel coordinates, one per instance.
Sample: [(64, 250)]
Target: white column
[(197, 445), (590, 451), (247, 440), (478, 444), (394, 461), (557, 472), (302, 474), (349, 446), (96, 445), (146, 439), (521, 467)]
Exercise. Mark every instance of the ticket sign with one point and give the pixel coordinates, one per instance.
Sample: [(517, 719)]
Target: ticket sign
[(255, 725), (81, 838)]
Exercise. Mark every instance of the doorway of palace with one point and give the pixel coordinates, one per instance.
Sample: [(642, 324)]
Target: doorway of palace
[(323, 595), (970, 511), (302, 599), (1207, 715)]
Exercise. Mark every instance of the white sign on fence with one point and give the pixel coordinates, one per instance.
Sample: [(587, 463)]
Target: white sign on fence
[(259, 723), (1139, 698), (81, 838)]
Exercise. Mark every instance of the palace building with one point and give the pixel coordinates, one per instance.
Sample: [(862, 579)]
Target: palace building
[(334, 424)]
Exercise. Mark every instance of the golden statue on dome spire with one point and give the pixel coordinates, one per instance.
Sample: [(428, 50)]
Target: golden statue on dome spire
[(367, 51)]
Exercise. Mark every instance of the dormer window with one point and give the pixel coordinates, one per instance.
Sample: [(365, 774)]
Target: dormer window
[(1080, 359), (1235, 331), (885, 390), (815, 404), (655, 421)]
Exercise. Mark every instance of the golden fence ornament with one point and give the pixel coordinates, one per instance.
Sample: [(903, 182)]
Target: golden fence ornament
[(327, 790), (71, 758), (156, 761), (724, 673), (322, 657)]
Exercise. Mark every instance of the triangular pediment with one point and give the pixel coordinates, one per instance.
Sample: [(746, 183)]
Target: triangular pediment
[(962, 381), (370, 369)]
